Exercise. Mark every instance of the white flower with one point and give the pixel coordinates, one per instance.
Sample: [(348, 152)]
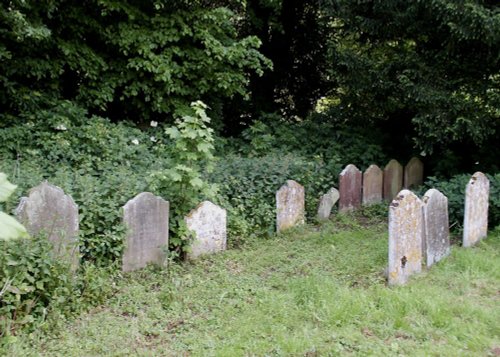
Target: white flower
[(135, 142), (477, 162), (61, 127), (153, 139), (153, 123), (423, 153)]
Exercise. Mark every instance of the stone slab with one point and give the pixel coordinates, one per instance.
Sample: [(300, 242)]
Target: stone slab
[(146, 219), (350, 181), (373, 181), (476, 209), (326, 203), (436, 243), (406, 225), (393, 180), (414, 173), (208, 222), (290, 205)]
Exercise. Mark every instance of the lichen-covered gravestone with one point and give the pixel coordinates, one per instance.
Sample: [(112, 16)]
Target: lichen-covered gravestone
[(414, 173), (476, 209), (326, 203), (208, 223), (350, 188), (436, 243), (290, 205), (146, 219), (393, 179), (372, 185), (47, 210), (405, 237)]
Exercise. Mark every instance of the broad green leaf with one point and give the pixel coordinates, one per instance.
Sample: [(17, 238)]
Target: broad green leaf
[(10, 228), (6, 188)]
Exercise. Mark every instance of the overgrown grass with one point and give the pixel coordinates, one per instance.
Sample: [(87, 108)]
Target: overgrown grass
[(312, 292)]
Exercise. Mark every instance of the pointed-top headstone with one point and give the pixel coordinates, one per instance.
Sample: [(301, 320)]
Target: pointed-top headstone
[(290, 205), (350, 180), (47, 210), (476, 209), (146, 219), (326, 203), (208, 223), (436, 243), (405, 237), (372, 185), (414, 173), (393, 179)]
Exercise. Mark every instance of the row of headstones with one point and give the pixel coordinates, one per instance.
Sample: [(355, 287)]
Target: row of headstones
[(419, 229), (48, 210)]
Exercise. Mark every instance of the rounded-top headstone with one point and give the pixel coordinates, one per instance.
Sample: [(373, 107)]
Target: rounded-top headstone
[(350, 180), (476, 209), (373, 179), (290, 205), (414, 173), (393, 179), (436, 243)]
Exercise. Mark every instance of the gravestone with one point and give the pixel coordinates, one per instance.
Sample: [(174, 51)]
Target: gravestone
[(405, 237), (372, 185), (47, 210), (326, 203), (146, 219), (414, 173), (350, 188), (436, 242), (208, 223), (290, 205), (393, 179), (476, 209)]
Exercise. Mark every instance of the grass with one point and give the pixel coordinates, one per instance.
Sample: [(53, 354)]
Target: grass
[(312, 292)]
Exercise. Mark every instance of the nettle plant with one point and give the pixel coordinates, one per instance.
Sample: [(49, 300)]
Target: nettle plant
[(183, 184)]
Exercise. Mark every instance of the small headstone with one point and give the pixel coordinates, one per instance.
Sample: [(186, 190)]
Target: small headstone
[(290, 205), (393, 179), (326, 203), (373, 179), (208, 223), (414, 173), (350, 188), (436, 243), (47, 210), (146, 219), (405, 237), (476, 209)]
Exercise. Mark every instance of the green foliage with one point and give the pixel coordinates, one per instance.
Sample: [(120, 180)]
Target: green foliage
[(10, 228), (183, 182)]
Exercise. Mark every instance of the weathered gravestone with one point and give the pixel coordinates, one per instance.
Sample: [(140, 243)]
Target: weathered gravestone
[(405, 237), (290, 205), (393, 179), (326, 203), (436, 242), (414, 173), (146, 219), (476, 209), (372, 185), (47, 210), (208, 223), (350, 188)]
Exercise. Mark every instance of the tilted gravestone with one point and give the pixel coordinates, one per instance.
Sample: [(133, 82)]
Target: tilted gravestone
[(146, 219), (414, 173), (393, 179), (405, 237), (290, 205), (372, 185), (208, 223), (47, 210), (476, 209), (436, 242), (326, 203), (350, 188)]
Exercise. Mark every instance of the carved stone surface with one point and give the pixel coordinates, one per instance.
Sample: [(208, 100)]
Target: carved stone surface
[(326, 203), (414, 173), (146, 219), (47, 210), (436, 243), (393, 179), (373, 179), (290, 205), (208, 222), (405, 237), (476, 209), (350, 188)]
